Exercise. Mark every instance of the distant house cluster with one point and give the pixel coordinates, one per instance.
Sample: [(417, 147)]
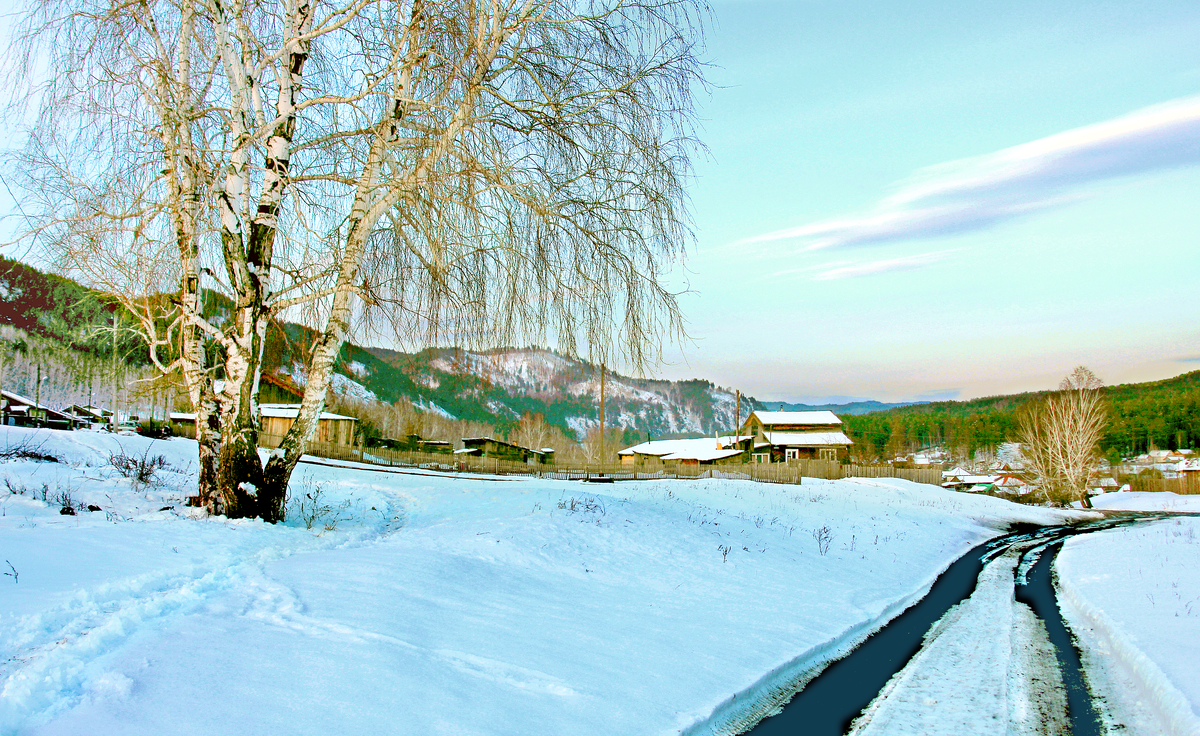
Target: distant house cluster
[(1014, 480), (1171, 463), (765, 437), (1005, 479)]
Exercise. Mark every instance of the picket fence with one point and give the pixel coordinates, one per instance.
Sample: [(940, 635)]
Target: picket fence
[(790, 473), (1188, 484)]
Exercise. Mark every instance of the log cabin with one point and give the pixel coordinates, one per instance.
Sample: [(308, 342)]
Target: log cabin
[(780, 436)]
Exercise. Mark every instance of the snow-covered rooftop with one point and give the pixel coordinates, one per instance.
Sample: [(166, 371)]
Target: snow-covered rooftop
[(808, 438), (22, 399), (797, 417), (289, 411), (973, 479), (702, 448)]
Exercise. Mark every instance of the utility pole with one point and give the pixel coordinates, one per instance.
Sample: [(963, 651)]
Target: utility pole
[(737, 424), (114, 372), (37, 395), (601, 415)]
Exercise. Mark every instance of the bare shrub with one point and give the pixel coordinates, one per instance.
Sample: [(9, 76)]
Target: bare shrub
[(140, 470), (312, 508), (27, 449), (15, 488), (67, 503), (588, 506), (824, 538)]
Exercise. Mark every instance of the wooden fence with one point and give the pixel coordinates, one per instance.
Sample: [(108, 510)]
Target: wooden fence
[(1188, 484), (790, 472)]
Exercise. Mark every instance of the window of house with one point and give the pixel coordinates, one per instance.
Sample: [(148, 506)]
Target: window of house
[(828, 453), (793, 453), (760, 457)]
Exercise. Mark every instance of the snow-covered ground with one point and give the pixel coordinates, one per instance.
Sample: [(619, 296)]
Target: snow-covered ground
[(986, 668), (1132, 594), (1141, 501), (442, 604)]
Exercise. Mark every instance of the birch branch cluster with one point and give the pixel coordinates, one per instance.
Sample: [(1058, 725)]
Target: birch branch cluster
[(1060, 435), (458, 171)]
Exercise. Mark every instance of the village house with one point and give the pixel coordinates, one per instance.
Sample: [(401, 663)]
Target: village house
[(412, 443), (780, 436), (90, 415), (20, 411), (494, 448), (970, 483), (700, 451)]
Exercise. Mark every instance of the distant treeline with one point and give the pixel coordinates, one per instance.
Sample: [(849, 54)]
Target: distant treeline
[(1142, 416)]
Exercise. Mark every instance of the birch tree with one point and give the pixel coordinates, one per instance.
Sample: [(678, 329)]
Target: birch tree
[(1059, 437), (440, 171)]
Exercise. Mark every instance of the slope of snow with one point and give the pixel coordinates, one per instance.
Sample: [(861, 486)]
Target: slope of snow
[(443, 604), (1144, 501), (1133, 594)]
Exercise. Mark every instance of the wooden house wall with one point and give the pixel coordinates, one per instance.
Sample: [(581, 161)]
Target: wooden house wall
[(329, 431)]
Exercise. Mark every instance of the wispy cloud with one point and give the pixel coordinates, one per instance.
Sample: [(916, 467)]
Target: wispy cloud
[(975, 193), (905, 263)]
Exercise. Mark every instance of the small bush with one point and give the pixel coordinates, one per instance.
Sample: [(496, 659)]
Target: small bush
[(68, 505), (27, 449), (15, 488), (823, 537), (312, 509), (140, 470), (586, 506)]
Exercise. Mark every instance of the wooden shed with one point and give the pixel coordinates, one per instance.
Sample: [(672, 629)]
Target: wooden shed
[(488, 447), (276, 420)]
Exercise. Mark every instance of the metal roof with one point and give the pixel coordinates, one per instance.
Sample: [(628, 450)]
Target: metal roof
[(807, 439), (797, 417)]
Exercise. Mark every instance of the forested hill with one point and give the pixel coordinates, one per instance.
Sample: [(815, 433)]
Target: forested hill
[(1163, 414), (853, 407), (493, 387)]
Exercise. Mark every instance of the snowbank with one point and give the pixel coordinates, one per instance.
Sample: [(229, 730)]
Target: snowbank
[(1142, 501), (420, 603), (1133, 594)]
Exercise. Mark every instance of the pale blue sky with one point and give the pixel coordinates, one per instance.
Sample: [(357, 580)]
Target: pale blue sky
[(880, 136), (927, 256)]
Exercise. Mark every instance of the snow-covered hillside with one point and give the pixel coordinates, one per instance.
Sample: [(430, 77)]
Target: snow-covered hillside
[(441, 604), (657, 407)]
